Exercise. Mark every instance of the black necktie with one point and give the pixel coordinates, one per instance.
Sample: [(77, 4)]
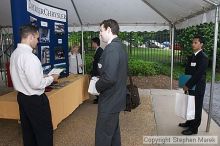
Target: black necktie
[(193, 57), (77, 64)]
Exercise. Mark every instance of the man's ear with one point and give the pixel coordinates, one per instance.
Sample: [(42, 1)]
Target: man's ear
[(30, 37), (109, 30), (202, 44)]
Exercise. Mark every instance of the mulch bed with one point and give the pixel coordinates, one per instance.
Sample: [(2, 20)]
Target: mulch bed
[(154, 82)]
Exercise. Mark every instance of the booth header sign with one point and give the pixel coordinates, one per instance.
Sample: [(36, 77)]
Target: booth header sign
[(45, 11)]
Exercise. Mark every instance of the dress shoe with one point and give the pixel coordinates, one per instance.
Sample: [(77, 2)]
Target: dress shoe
[(189, 132), (184, 125)]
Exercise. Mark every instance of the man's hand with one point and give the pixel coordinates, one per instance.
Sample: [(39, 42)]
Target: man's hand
[(55, 77), (185, 88)]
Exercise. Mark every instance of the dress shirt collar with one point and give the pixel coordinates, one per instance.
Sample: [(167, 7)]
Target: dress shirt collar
[(25, 47), (197, 52), (113, 37)]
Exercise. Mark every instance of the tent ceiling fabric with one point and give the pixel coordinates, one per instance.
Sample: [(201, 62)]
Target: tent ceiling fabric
[(127, 12), (203, 18), (176, 9), (216, 1), (93, 12)]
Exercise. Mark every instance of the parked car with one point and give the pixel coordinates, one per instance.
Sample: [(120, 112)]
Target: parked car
[(155, 44)]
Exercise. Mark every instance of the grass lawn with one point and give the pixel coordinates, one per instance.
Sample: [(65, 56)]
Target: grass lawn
[(152, 54)]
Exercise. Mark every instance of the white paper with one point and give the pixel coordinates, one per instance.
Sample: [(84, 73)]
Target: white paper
[(92, 89), (55, 71)]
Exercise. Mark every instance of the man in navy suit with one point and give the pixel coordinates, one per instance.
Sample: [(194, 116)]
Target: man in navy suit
[(113, 67), (98, 53), (196, 66)]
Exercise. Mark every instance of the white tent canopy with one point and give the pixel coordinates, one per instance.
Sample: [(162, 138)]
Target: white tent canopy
[(132, 15), (202, 18)]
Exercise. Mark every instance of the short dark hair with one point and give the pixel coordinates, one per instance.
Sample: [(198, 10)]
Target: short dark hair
[(112, 24), (200, 38), (27, 29), (96, 40)]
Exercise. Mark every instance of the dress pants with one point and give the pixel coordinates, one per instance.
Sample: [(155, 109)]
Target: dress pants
[(199, 96), (107, 130), (36, 122)]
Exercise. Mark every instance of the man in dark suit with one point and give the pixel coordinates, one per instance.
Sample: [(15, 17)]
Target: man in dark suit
[(98, 53), (196, 66), (111, 85)]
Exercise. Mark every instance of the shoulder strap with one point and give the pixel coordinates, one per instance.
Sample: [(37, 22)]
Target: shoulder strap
[(130, 79)]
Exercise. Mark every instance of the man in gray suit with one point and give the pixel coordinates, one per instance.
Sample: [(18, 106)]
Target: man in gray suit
[(113, 66)]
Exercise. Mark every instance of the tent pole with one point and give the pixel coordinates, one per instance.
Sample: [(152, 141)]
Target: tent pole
[(170, 58), (213, 70), (83, 51), (172, 48), (74, 6), (82, 38), (210, 2)]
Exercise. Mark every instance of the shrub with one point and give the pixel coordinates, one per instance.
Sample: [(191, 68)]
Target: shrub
[(136, 67), (140, 67), (88, 63)]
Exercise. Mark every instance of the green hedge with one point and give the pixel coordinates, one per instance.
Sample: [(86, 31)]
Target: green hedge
[(143, 68), (137, 67), (185, 36)]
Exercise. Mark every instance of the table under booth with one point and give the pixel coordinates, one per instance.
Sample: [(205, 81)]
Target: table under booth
[(63, 101)]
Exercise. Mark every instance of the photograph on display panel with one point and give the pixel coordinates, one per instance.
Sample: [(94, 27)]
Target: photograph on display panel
[(33, 21), (45, 54), (59, 53), (44, 35), (59, 28)]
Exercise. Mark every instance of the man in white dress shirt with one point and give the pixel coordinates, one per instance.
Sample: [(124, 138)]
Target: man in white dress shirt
[(27, 77)]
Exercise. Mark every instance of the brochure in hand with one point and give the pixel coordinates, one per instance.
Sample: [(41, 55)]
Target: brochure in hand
[(55, 71)]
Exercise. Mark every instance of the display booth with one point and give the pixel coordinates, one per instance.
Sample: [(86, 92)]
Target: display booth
[(53, 30), (71, 90)]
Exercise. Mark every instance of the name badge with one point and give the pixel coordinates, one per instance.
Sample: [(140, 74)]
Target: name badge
[(193, 64), (99, 65)]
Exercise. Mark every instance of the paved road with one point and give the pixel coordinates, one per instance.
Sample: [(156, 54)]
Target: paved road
[(216, 101)]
